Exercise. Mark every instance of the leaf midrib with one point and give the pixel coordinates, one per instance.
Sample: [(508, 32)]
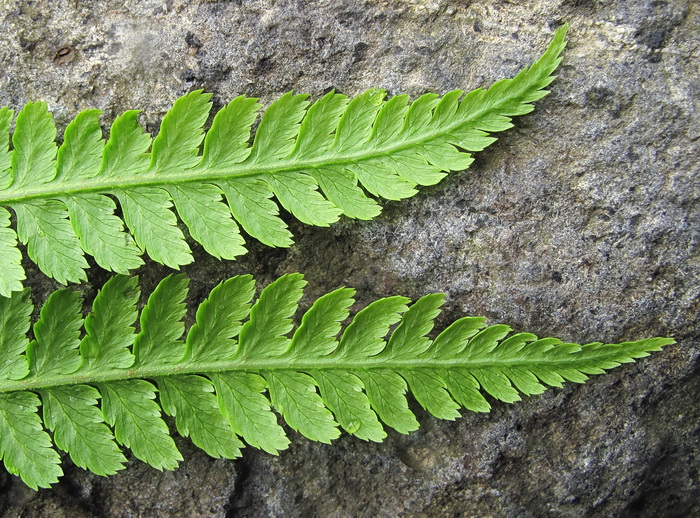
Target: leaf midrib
[(108, 185), (283, 363)]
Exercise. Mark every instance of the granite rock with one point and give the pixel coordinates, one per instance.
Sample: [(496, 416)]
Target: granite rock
[(581, 222)]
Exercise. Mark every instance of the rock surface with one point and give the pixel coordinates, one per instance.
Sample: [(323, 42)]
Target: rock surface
[(581, 222)]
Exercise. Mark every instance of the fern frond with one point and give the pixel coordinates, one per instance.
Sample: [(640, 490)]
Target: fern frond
[(317, 161), (221, 380)]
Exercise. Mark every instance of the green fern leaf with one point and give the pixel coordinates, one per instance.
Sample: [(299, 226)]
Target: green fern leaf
[(129, 407), (191, 400), (24, 446), (108, 329), (222, 378), (78, 427), (314, 160), (161, 324)]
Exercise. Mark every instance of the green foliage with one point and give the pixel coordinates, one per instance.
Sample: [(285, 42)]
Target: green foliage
[(241, 358), (90, 385), (316, 160)]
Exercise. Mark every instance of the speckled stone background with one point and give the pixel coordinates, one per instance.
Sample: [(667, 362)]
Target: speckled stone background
[(581, 222)]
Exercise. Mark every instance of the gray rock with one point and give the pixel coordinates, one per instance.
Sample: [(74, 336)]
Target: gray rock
[(581, 222)]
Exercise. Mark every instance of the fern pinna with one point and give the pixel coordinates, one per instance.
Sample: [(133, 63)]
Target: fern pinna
[(317, 161), (239, 359)]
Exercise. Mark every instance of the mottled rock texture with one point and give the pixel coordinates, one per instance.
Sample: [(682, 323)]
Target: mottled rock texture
[(581, 222)]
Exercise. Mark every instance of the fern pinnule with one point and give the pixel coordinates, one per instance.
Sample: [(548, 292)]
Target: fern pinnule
[(101, 384), (318, 161)]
